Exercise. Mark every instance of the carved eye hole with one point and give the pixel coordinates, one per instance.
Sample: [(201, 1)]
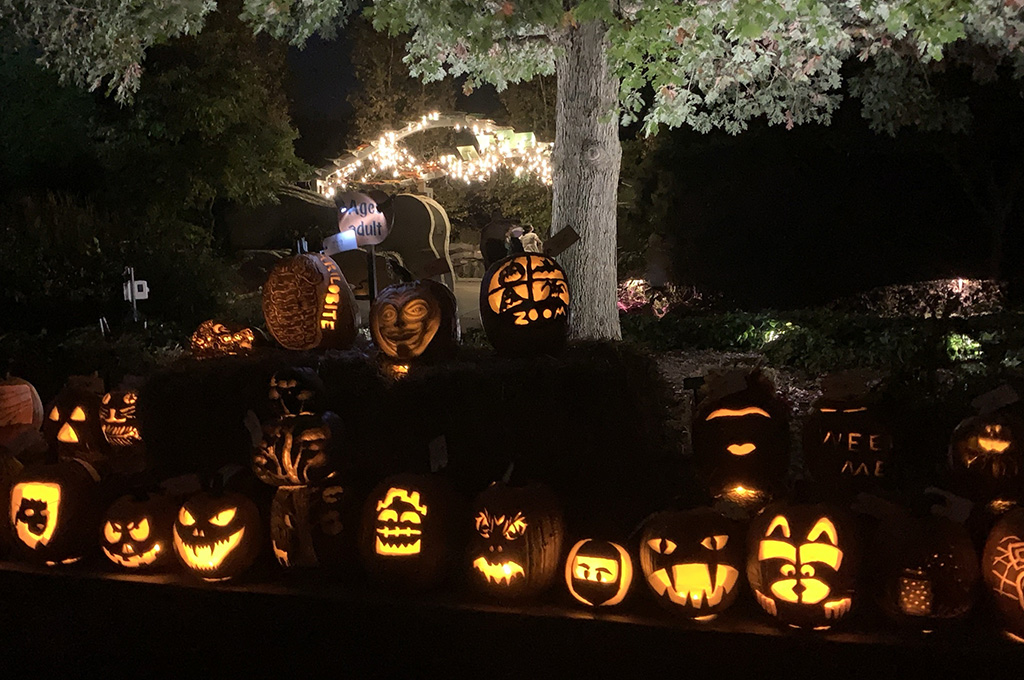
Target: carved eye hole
[(54, 414), (140, 531), (186, 518), (387, 516), (715, 542), (78, 414), (483, 523), (223, 518), (415, 310), (389, 314), (112, 532), (787, 570), (106, 398), (409, 517), (515, 528), (130, 397), (662, 546)]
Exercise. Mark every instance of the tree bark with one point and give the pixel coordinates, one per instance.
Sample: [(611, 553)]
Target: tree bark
[(586, 159)]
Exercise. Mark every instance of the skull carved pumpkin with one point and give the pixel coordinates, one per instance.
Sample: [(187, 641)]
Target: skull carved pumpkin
[(692, 561), (801, 564), (846, 447), (298, 450), (136, 532), (73, 427), (415, 320), (1002, 566), (598, 573), (217, 536), (216, 339), (524, 305), (516, 543), (986, 457), (308, 304)]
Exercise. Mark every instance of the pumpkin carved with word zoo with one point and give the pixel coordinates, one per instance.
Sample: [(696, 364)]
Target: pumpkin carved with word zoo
[(802, 564), (415, 320), (217, 535), (986, 457), (598, 573), (516, 544), (136, 532), (73, 427), (308, 304), (407, 534), (692, 560), (1002, 566), (524, 305), (847, 448)]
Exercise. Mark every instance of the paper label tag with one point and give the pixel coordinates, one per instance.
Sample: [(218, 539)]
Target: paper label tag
[(438, 453), (993, 400)]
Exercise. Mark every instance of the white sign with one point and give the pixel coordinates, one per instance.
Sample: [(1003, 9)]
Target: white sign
[(340, 242), (358, 213), (141, 290)]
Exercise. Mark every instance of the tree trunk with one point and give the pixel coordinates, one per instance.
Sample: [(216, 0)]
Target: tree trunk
[(586, 176)]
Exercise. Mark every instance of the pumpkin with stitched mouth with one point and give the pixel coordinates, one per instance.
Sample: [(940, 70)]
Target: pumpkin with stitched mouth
[(136, 532), (986, 457), (692, 561), (217, 536)]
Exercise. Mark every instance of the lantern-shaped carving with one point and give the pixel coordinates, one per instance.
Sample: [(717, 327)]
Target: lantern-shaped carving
[(217, 339), (925, 569), (53, 511), (72, 426), (308, 304), (692, 560), (1002, 566), (847, 447), (741, 439), (524, 305), (407, 536), (298, 450), (415, 320), (20, 408), (801, 564), (217, 536), (136, 532), (296, 392), (516, 542), (986, 457), (598, 573)]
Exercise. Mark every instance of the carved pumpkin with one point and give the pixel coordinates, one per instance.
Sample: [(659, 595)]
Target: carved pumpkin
[(407, 534), (308, 304), (20, 408), (217, 339), (290, 535), (598, 573), (846, 447), (925, 570), (72, 426), (217, 536), (524, 305), (118, 421), (333, 519), (136, 532), (516, 542), (692, 561), (1002, 566), (298, 450), (986, 457), (802, 564), (53, 513), (415, 320), (296, 392), (741, 440)]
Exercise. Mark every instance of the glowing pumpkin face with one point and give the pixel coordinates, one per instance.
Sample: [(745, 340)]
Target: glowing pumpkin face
[(52, 511), (118, 420), (217, 537), (416, 319), (136, 532), (296, 392), (800, 565), (524, 305), (692, 561), (298, 450), (73, 427), (517, 540), (216, 339), (986, 457), (598, 573), (846, 447), (308, 304), (1002, 566)]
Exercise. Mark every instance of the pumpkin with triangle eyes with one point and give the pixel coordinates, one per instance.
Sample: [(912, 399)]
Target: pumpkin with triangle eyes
[(598, 573), (72, 425), (692, 561), (415, 321), (217, 536), (136, 532), (524, 305), (802, 564), (986, 457)]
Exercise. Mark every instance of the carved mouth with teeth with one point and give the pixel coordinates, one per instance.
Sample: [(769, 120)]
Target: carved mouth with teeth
[(207, 556), (389, 541), (128, 558), (693, 584), (499, 572), (121, 435)]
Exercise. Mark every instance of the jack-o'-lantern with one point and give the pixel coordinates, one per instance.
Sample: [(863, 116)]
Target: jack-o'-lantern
[(290, 536), (925, 570), (20, 408), (741, 439), (692, 561), (72, 426), (1002, 567), (217, 339), (53, 513), (136, 532), (296, 392), (298, 450), (598, 573), (406, 535), (415, 320), (847, 448), (118, 421), (516, 542), (308, 304), (333, 525), (524, 305), (217, 536), (802, 564), (986, 457)]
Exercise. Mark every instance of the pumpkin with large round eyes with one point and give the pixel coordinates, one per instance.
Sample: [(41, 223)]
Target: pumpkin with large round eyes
[(598, 573), (1002, 567), (308, 304), (415, 320), (136, 532), (217, 536), (986, 457), (217, 339), (847, 446), (72, 425), (802, 564), (692, 561), (524, 305), (516, 542)]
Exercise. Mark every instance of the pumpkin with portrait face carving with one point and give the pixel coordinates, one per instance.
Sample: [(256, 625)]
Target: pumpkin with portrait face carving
[(986, 457), (217, 536), (136, 532), (217, 339), (415, 320), (847, 447), (692, 561), (72, 426), (298, 450), (802, 564), (598, 573), (524, 305), (308, 304), (1002, 567), (516, 540)]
